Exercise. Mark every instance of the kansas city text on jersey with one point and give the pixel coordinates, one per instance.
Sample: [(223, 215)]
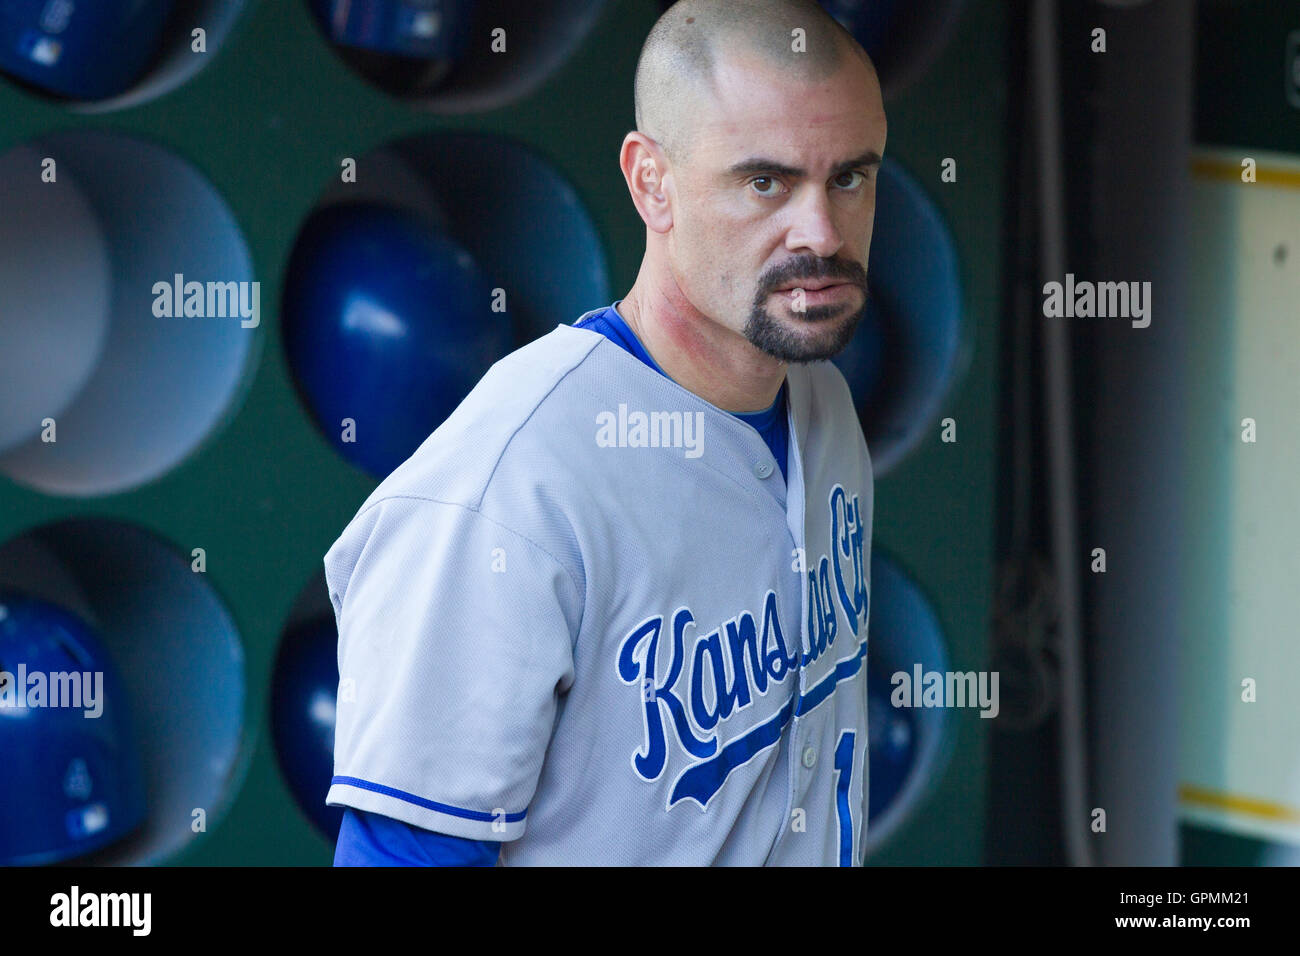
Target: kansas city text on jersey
[(736, 663)]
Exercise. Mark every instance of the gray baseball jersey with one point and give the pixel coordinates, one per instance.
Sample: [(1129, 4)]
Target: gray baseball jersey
[(588, 618)]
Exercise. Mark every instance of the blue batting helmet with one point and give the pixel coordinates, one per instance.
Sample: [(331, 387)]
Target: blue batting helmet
[(72, 779)]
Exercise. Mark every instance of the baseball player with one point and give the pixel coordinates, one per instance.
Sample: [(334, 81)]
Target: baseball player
[(614, 610)]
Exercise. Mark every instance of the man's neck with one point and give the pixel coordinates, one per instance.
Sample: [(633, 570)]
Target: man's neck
[(715, 363)]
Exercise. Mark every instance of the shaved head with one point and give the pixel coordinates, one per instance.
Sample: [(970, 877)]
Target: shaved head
[(679, 60)]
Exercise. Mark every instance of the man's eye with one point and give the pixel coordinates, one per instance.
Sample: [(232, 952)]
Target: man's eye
[(853, 172), (764, 179)]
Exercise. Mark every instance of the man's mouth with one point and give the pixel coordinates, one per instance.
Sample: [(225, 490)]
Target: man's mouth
[(810, 285), (816, 294)]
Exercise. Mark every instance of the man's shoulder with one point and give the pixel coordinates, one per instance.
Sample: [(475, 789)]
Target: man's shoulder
[(458, 461), (827, 379), (832, 404), (825, 390)]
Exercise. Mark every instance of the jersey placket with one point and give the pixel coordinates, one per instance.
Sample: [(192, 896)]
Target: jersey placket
[(795, 740)]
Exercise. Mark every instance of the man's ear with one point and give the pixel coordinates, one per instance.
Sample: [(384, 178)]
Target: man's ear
[(644, 170)]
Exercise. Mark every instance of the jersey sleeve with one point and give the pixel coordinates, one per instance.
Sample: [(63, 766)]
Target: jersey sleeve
[(455, 645), (368, 839)]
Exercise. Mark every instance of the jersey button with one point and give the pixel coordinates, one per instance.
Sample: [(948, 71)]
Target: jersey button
[(809, 757), (762, 469)]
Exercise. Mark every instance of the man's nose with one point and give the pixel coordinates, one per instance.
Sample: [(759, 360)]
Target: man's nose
[(813, 227)]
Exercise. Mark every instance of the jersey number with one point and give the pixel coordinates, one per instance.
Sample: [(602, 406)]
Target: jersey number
[(843, 780)]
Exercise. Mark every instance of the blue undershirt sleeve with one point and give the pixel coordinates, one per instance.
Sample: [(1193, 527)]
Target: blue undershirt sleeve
[(371, 839)]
